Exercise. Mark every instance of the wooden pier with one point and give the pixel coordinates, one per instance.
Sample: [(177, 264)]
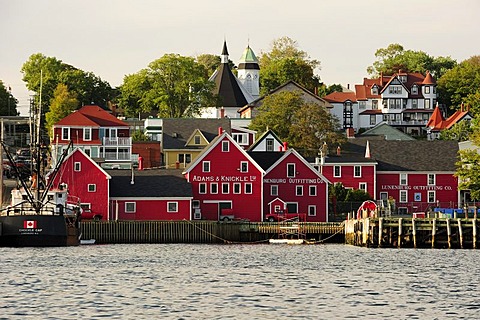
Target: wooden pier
[(106, 232), (413, 232)]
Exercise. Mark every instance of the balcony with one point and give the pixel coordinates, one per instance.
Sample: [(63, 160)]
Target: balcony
[(407, 123), (117, 142)]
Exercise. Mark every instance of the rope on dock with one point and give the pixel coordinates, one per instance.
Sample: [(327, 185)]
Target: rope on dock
[(340, 230)]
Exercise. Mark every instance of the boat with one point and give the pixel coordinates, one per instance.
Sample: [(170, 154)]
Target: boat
[(40, 214), (87, 241), (289, 234)]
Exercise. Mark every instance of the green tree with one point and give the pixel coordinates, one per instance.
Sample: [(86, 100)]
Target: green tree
[(394, 58), (468, 172), (62, 104), (305, 126), (172, 86), (8, 104), (210, 62), (460, 84), (460, 132), (285, 62), (139, 135)]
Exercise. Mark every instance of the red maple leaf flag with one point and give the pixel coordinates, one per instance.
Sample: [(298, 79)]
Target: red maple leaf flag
[(30, 224)]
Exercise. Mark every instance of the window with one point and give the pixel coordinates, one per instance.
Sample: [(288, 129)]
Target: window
[(337, 171), (274, 190), (383, 195), (206, 166), (184, 158), (172, 206), (431, 196), (244, 166), (403, 196), (269, 144), (312, 210), (375, 90), (299, 191), (236, 188), (225, 146), (225, 188), (196, 203), (240, 138), (92, 187), (427, 89), (362, 186), (277, 208), (196, 139), (414, 103), (373, 119), (427, 103), (362, 104), (65, 133), (202, 188), (374, 104), (434, 89), (415, 89), (87, 134), (357, 171), (130, 207), (403, 179), (248, 188), (431, 179), (312, 191), (77, 166), (290, 170), (214, 188)]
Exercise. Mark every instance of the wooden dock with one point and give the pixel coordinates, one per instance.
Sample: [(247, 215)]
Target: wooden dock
[(413, 232), (106, 232)]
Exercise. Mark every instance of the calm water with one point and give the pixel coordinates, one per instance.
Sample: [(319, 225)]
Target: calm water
[(238, 282)]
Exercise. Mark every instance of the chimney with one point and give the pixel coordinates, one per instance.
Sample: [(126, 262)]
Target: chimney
[(280, 148), (222, 112), (285, 146), (350, 133), (220, 131), (348, 86), (461, 107), (339, 151)]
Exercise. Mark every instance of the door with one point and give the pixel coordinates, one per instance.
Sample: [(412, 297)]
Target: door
[(292, 207), (223, 205)]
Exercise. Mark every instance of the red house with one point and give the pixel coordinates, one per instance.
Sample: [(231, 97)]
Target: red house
[(291, 179), (86, 180), (226, 182)]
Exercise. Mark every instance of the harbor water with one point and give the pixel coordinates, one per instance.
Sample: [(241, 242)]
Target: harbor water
[(183, 281)]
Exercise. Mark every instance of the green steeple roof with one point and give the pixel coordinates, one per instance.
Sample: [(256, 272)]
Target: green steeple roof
[(248, 60)]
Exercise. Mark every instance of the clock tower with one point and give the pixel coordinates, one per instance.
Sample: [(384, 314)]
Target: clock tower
[(249, 72)]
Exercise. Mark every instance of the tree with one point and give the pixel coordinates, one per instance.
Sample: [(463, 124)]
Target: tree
[(210, 62), (285, 62), (459, 132), (139, 135), (305, 126), (172, 86), (63, 103), (394, 58), (460, 84), (468, 173), (8, 104)]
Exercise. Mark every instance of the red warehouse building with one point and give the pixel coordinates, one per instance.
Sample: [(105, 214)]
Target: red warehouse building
[(226, 182)]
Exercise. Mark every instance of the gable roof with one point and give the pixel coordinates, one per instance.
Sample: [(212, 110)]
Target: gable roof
[(264, 136), (340, 97), (91, 116), (438, 123), (176, 131), (86, 156), (387, 131), (265, 159), (155, 183)]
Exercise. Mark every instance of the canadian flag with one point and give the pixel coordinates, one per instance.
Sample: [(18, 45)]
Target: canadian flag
[(30, 224)]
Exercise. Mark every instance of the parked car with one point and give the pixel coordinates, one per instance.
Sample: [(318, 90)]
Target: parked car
[(283, 215), (87, 214)]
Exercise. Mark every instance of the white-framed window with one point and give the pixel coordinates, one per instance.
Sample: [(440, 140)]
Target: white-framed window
[(269, 144), (202, 188), (214, 188), (172, 206), (431, 197), (414, 103), (206, 166), (362, 104), (312, 191), (87, 134), (427, 89), (431, 179), (414, 89), (196, 204), (130, 207), (237, 188), (373, 119), (225, 146), (77, 166), (92, 187), (244, 166), (357, 171), (225, 188), (362, 186), (312, 210), (374, 104), (240, 138), (290, 170), (427, 104), (274, 190), (299, 191), (403, 179), (196, 139), (277, 208), (65, 133), (248, 188), (403, 196), (337, 171)]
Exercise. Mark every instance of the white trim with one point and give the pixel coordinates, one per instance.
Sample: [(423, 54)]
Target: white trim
[(150, 198)]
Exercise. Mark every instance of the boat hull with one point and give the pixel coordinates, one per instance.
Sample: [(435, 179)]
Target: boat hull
[(38, 231), (286, 241)]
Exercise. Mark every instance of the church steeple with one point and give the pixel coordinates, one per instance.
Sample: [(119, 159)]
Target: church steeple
[(249, 72), (224, 55)]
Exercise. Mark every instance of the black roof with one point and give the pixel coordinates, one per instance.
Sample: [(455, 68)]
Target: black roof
[(265, 159), (149, 183), (176, 131), (227, 88)]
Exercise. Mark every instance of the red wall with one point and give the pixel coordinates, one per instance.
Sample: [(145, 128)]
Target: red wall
[(287, 188), (347, 176), (225, 166), (150, 210)]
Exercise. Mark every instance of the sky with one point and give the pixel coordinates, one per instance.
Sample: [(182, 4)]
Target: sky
[(114, 38)]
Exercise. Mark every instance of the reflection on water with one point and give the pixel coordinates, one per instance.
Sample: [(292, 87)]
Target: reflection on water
[(181, 281)]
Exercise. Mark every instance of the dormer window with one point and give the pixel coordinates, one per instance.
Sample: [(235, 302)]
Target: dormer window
[(375, 90), (403, 78), (415, 89)]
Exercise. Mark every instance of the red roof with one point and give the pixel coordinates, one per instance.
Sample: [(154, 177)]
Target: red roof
[(436, 121), (340, 97), (428, 79), (91, 116)]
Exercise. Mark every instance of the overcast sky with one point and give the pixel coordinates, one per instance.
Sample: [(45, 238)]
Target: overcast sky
[(113, 38)]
